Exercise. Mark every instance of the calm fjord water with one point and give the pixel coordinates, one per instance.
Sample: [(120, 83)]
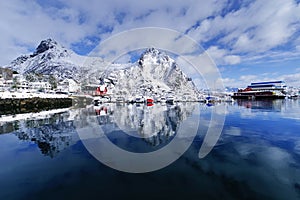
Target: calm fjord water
[(256, 157)]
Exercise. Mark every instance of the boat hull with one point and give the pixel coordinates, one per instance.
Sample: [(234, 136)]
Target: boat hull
[(257, 97)]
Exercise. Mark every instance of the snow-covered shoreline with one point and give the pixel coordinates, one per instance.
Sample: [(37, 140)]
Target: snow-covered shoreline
[(26, 95)]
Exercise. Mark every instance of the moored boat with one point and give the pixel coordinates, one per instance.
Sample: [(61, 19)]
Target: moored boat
[(139, 99), (262, 90), (170, 99), (149, 100)]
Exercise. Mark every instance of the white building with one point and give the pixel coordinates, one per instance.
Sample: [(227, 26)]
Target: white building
[(21, 84), (41, 85), (7, 84), (69, 85)]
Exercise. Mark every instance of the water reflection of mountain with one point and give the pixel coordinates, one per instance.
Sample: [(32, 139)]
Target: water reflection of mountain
[(267, 105), (156, 124), (52, 134)]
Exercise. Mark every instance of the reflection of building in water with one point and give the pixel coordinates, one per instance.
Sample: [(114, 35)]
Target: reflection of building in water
[(104, 113), (156, 124), (52, 135), (274, 105)]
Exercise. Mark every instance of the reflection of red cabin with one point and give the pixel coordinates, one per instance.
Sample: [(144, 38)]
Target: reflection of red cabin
[(101, 91), (101, 111), (149, 100)]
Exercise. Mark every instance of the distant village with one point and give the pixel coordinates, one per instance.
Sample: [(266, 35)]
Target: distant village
[(15, 85)]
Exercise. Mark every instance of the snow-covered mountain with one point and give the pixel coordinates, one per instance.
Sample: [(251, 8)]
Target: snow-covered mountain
[(155, 73), (50, 58)]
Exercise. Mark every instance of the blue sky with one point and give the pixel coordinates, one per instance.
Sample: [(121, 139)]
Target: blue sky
[(248, 40)]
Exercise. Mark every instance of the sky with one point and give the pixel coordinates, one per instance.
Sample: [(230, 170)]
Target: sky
[(248, 40)]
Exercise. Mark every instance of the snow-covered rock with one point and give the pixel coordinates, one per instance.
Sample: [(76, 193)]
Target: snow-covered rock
[(155, 74), (50, 58)]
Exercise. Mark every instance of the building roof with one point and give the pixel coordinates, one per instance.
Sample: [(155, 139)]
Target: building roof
[(267, 82)]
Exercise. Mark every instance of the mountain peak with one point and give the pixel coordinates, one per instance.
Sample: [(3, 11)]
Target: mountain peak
[(153, 55), (152, 50), (155, 74), (48, 58), (46, 45)]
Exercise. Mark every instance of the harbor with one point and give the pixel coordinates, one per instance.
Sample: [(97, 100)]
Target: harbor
[(256, 150)]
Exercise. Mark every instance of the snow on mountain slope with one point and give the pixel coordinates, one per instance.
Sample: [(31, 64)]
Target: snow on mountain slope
[(52, 58), (155, 74)]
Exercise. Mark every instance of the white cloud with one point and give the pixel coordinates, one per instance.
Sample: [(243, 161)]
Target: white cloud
[(261, 26), (242, 81), (70, 22), (229, 81), (27, 23), (291, 79), (232, 59), (222, 56), (272, 57), (248, 78)]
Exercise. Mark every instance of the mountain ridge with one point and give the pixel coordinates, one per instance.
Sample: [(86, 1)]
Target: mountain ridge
[(50, 58), (154, 72)]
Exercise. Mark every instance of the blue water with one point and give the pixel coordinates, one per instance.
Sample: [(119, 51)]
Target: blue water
[(256, 157)]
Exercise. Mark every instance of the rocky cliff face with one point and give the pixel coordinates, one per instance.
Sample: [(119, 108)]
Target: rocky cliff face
[(154, 74)]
